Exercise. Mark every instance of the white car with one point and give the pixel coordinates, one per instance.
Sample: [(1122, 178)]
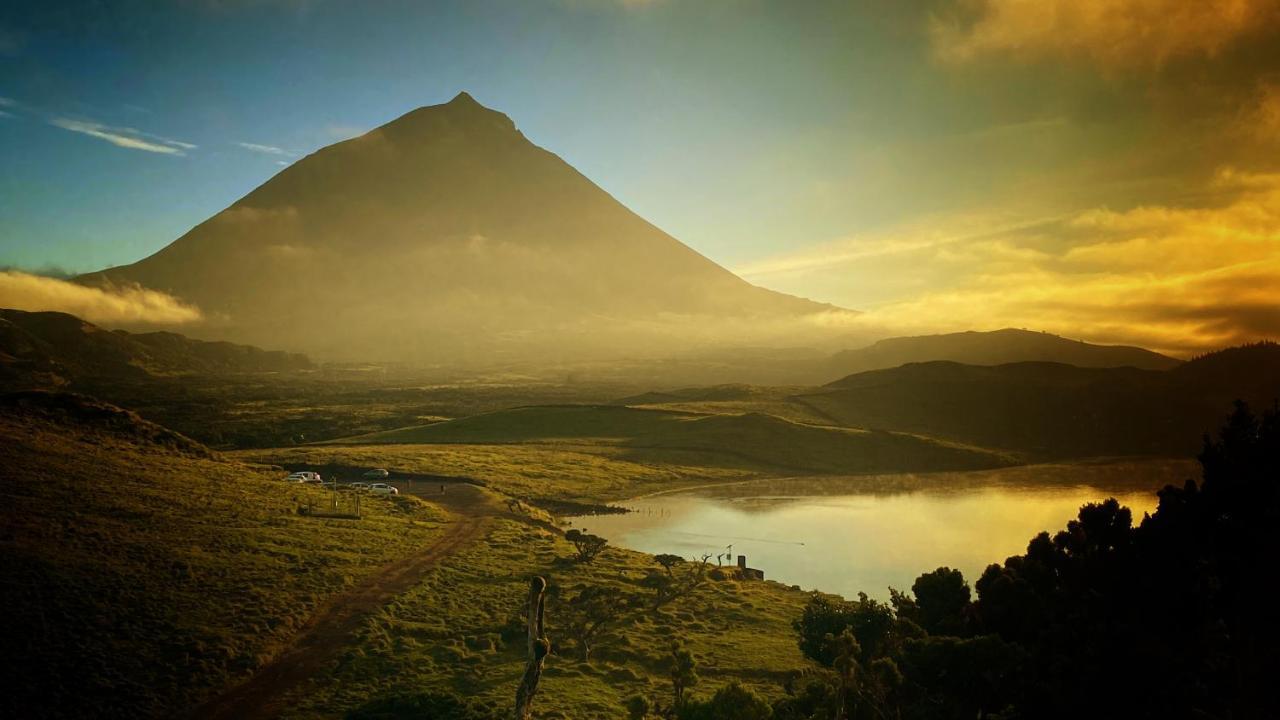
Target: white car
[(303, 476), (383, 489)]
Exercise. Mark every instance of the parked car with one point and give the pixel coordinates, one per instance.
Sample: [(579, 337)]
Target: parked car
[(303, 476), (356, 486), (376, 473), (383, 489)]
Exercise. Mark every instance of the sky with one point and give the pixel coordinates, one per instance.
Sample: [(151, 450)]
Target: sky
[(1102, 169)]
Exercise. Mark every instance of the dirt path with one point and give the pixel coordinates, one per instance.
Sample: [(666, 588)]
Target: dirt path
[(332, 628)]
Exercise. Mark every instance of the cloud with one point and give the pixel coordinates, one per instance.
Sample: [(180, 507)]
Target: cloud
[(132, 305), (264, 149), (1173, 278), (130, 138), (1117, 34)]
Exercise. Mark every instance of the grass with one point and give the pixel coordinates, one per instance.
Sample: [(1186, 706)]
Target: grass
[(564, 471), (142, 573), (460, 632), (751, 442)]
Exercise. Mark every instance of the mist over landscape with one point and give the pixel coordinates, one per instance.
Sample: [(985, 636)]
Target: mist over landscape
[(640, 359)]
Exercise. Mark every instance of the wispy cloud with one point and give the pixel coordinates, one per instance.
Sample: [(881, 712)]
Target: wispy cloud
[(130, 305), (130, 138), (264, 149)]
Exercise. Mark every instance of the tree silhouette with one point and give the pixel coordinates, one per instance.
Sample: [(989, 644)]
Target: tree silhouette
[(586, 546)]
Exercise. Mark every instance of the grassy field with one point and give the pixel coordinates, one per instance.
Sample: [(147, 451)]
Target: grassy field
[(751, 442), (460, 632), (144, 574), (563, 471), (141, 572)]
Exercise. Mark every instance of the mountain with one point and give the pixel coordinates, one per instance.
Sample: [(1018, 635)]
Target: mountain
[(994, 348), (52, 349), (446, 235), (1052, 410)]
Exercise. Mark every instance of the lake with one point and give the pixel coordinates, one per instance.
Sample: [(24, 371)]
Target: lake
[(867, 533)]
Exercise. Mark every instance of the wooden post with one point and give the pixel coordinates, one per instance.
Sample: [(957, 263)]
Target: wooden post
[(538, 648)]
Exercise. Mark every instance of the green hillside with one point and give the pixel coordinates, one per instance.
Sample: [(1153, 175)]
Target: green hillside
[(141, 572)]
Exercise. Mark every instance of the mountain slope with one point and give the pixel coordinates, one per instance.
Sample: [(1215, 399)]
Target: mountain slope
[(1055, 410), (446, 234), (998, 347), (51, 349)]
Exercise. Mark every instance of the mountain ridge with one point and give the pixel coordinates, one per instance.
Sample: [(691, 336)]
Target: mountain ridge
[(53, 349), (996, 347)]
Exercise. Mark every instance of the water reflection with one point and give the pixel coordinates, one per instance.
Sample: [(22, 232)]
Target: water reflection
[(867, 533)]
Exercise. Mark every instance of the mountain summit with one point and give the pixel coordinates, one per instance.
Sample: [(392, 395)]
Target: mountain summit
[(446, 235)]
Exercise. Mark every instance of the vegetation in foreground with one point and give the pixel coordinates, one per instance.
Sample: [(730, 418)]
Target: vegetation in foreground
[(140, 572), (1169, 618), (210, 570), (611, 620)]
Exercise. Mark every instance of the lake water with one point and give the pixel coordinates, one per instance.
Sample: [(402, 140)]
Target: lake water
[(867, 533)]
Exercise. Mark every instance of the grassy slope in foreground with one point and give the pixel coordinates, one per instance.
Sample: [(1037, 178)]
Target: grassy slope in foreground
[(751, 441), (461, 632), (141, 572)]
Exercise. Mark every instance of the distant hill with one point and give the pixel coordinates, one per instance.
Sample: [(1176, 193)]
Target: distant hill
[(752, 440), (51, 349), (447, 236), (998, 347), (1055, 410)]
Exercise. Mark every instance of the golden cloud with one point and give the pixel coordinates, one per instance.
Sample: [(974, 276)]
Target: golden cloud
[(131, 305), (1111, 33), (1177, 280)]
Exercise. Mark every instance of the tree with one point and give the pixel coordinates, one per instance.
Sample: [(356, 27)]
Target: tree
[(673, 585), (638, 707), (592, 612), (586, 545), (731, 702), (668, 562), (942, 598), (683, 673), (846, 651), (872, 623)]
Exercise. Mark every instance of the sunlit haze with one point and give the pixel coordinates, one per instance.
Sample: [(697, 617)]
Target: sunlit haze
[(941, 165)]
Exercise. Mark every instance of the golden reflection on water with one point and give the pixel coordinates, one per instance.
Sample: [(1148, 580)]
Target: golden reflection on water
[(846, 535)]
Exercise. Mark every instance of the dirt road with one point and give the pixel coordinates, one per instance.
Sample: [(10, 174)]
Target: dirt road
[(332, 628)]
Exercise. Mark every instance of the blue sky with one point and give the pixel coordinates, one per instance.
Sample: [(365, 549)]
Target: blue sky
[(873, 154), (687, 113)]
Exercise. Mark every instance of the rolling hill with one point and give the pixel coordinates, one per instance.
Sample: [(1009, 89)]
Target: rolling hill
[(753, 441), (140, 572), (998, 347), (1051, 410), (447, 236), (52, 349)]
